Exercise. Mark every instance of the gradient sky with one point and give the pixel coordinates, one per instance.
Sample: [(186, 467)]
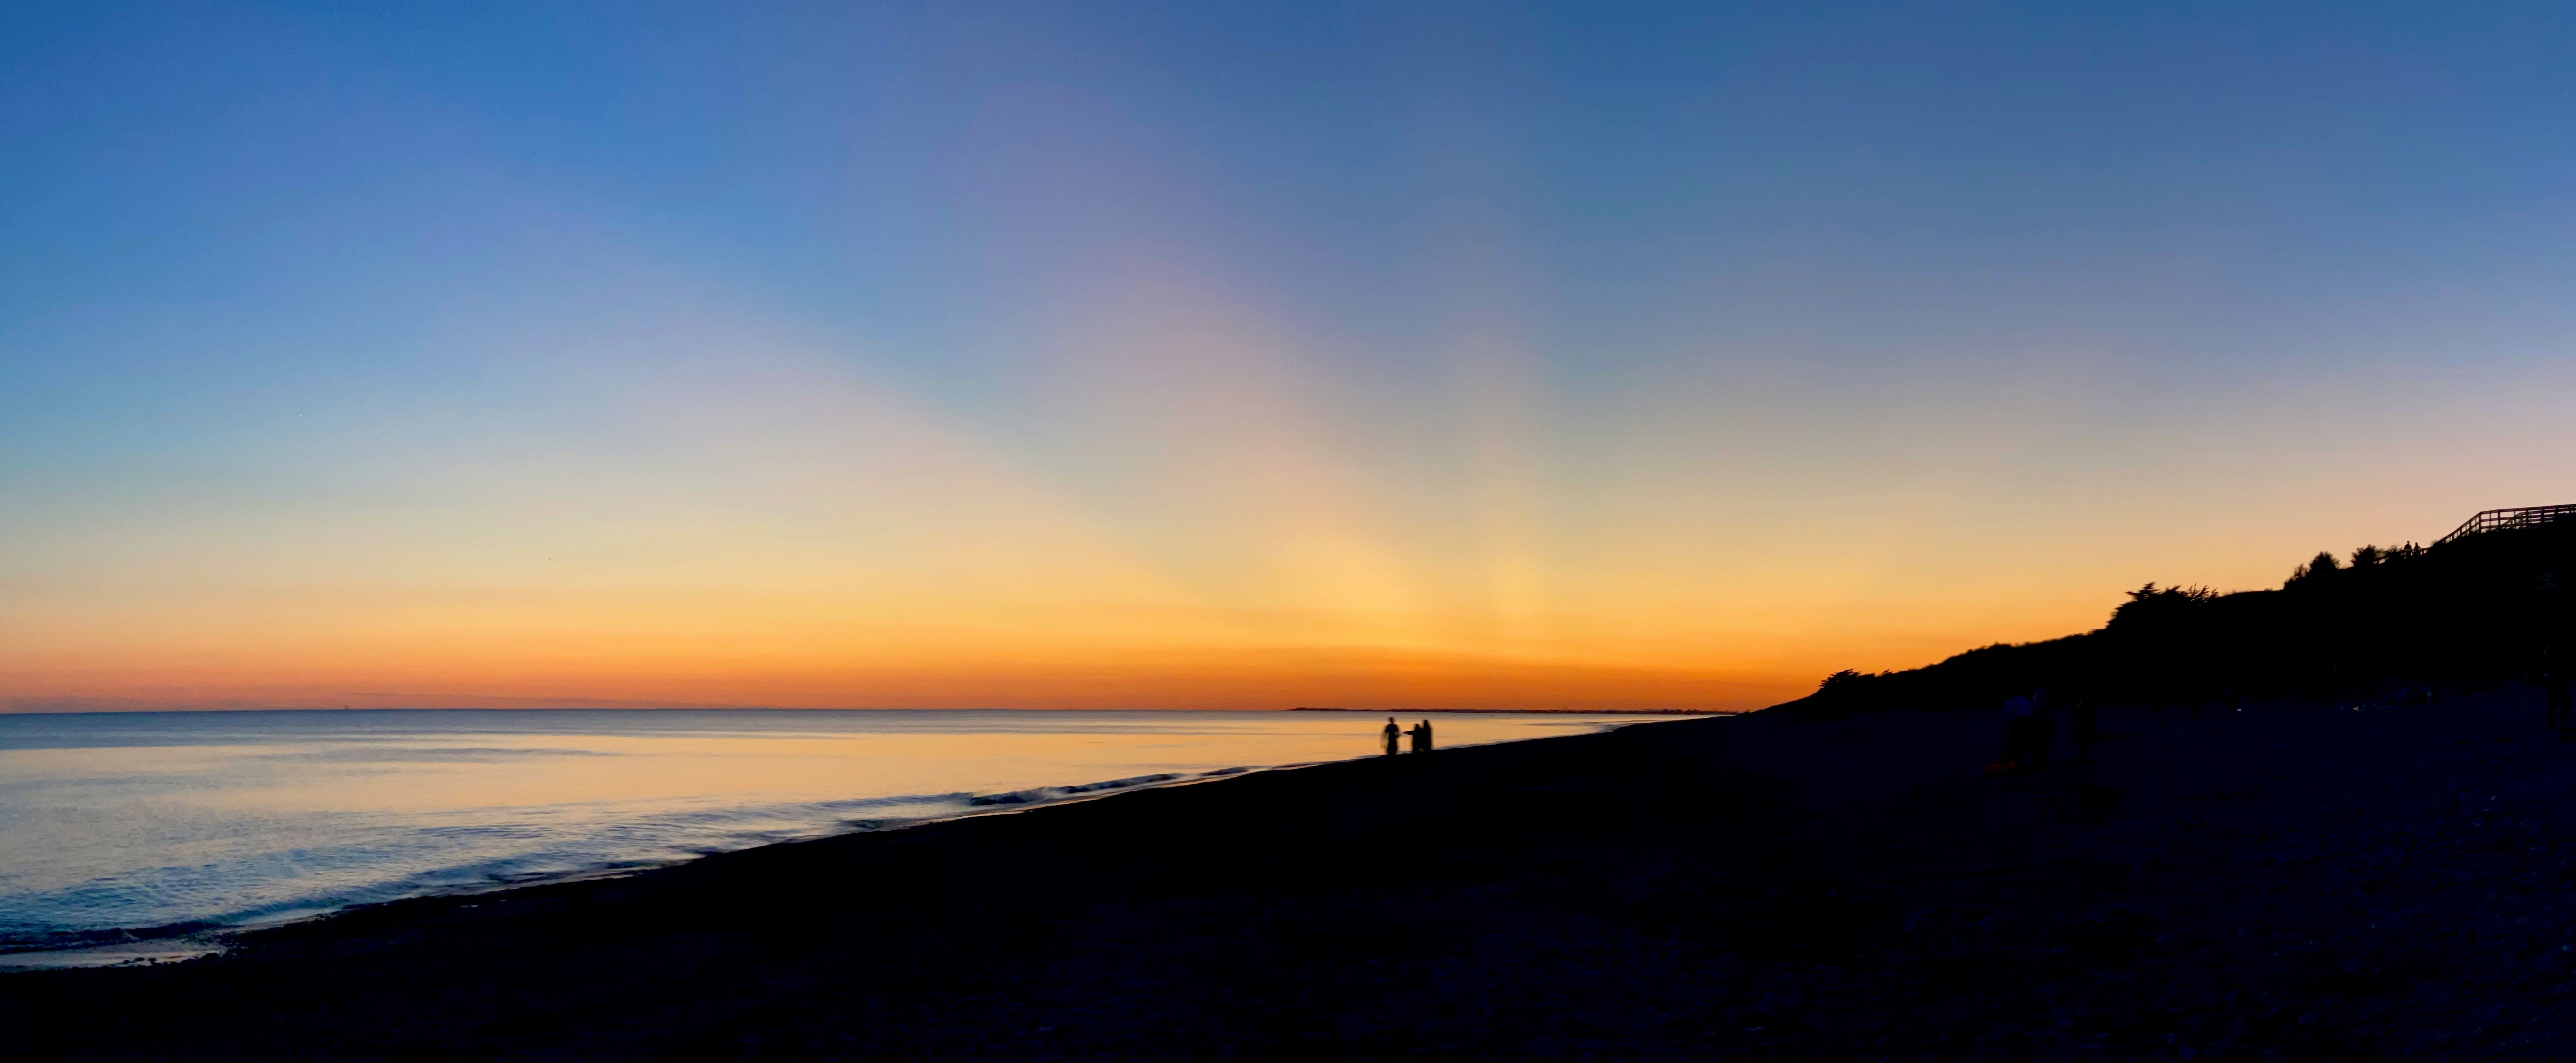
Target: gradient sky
[(1235, 355)]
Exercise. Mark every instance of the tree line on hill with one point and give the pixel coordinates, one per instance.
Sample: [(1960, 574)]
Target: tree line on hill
[(2476, 610)]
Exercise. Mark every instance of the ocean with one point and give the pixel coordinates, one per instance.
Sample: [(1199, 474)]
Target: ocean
[(138, 836)]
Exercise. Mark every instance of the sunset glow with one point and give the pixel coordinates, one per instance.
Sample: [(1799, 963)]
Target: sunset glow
[(814, 359)]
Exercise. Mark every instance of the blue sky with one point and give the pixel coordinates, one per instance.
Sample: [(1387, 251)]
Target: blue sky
[(1672, 353)]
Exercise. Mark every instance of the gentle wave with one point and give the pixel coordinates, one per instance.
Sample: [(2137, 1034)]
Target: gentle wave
[(146, 835)]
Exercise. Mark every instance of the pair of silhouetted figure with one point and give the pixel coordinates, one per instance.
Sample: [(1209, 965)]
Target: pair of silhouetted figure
[(1419, 733)]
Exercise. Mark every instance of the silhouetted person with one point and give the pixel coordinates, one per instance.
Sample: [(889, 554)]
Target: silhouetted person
[(1421, 735), (2041, 732), (2017, 710), (2083, 727), (1390, 733), (2553, 682)]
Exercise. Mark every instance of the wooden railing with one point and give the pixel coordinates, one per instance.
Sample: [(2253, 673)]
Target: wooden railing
[(2502, 519)]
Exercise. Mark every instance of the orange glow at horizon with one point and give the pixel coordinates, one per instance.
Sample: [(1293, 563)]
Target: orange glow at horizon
[(740, 522), (1187, 503)]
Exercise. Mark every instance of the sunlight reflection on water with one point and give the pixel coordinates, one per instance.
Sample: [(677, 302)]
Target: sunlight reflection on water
[(134, 820)]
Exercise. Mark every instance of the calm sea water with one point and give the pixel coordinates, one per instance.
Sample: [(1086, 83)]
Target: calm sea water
[(130, 835)]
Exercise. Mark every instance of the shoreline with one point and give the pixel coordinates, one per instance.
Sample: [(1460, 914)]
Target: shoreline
[(213, 938), (212, 934), (103, 911), (2290, 881)]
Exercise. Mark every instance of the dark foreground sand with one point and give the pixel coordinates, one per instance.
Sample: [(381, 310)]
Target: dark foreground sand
[(2281, 884)]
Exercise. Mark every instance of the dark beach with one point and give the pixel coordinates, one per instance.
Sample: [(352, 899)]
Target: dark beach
[(2285, 882)]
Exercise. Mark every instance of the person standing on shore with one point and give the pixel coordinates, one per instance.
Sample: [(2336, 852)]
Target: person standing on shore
[(1421, 735), (2016, 732), (2553, 685), (2084, 727), (1389, 734), (2042, 730)]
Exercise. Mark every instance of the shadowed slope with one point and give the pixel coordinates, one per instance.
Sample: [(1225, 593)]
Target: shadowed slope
[(2479, 608)]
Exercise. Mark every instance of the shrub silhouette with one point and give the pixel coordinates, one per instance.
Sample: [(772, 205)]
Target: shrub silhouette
[(2321, 566)]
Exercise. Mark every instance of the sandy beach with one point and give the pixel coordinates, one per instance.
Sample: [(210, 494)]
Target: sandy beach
[(2311, 881)]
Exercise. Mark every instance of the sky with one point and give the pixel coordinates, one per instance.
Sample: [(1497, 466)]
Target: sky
[(1228, 355)]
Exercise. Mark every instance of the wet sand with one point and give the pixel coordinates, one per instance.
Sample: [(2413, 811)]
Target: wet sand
[(2286, 883)]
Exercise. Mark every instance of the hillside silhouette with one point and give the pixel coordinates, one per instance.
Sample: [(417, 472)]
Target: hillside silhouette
[(2478, 608)]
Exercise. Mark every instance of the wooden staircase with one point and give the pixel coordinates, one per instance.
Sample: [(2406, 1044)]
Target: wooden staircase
[(2506, 519)]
